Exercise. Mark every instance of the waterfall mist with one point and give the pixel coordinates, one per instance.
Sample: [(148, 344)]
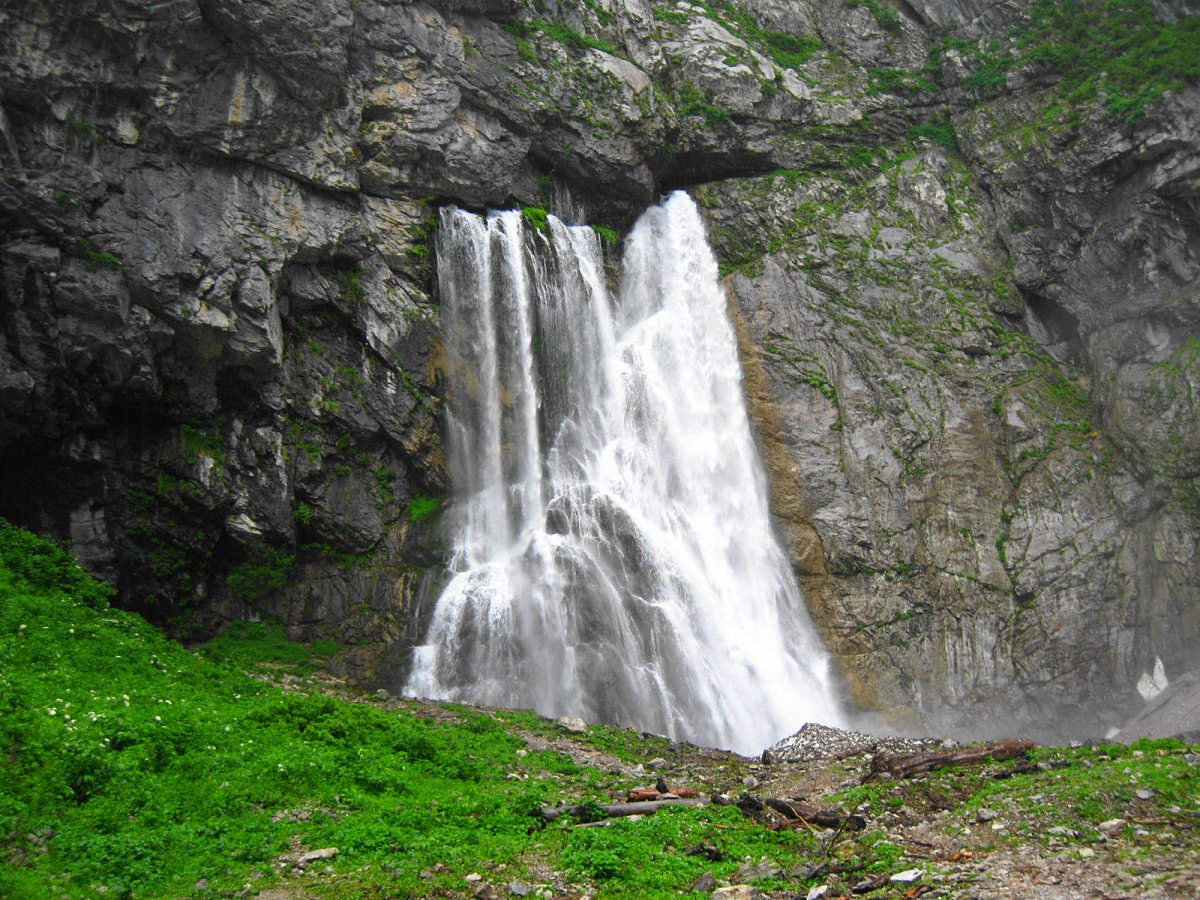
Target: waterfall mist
[(613, 554)]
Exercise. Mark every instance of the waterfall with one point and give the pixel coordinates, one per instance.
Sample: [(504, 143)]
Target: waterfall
[(613, 554)]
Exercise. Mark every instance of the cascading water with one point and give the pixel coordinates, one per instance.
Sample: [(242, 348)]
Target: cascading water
[(613, 555)]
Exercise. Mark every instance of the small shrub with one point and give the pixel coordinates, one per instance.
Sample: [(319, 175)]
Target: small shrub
[(49, 567), (608, 236), (526, 51), (82, 247), (536, 217), (352, 285), (939, 130), (886, 16), (270, 570), (671, 16), (693, 103), (421, 507)]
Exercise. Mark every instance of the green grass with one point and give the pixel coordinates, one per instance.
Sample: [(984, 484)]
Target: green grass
[(250, 645), (138, 765)]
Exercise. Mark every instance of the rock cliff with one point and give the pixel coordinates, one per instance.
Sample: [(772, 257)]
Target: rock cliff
[(962, 242)]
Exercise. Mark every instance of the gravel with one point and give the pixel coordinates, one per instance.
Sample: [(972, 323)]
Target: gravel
[(815, 741)]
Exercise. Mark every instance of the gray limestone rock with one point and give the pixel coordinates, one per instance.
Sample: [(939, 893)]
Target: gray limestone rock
[(973, 370)]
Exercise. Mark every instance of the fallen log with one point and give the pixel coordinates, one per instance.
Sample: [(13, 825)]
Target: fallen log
[(906, 765), (822, 816), (612, 810), (873, 883)]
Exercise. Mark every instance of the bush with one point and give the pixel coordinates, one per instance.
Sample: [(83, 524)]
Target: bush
[(47, 567)]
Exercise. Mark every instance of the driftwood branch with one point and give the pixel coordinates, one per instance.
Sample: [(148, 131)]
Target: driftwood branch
[(613, 810), (907, 765)]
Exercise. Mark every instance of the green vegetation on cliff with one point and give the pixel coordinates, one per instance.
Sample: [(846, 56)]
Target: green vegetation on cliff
[(1115, 48), (1117, 51)]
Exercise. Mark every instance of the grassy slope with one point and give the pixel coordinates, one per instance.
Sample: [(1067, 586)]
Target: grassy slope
[(140, 766)]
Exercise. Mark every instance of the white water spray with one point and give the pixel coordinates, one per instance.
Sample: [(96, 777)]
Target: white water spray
[(613, 552)]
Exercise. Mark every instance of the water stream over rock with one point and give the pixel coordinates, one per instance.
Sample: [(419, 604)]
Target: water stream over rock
[(613, 556)]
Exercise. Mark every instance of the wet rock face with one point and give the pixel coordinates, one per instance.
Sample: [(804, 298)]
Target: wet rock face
[(969, 323), (216, 357), (973, 387)]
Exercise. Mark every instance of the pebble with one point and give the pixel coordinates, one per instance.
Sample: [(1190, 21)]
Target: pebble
[(658, 763), (1087, 852), (986, 815), (520, 889), (816, 893), (1112, 826), (908, 876), (1145, 794), (474, 877)]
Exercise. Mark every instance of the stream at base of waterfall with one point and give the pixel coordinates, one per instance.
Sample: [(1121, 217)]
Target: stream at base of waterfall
[(613, 551)]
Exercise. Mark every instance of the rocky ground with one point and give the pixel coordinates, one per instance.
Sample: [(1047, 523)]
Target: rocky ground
[(1086, 821)]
